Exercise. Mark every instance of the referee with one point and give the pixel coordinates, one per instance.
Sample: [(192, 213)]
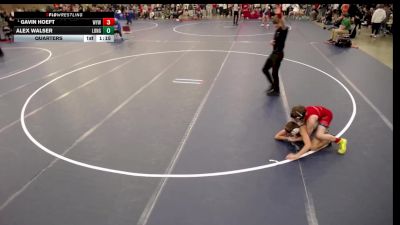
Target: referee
[(276, 57)]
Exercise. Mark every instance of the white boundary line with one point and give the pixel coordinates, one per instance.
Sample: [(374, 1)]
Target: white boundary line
[(310, 209), (185, 82), (42, 147), (26, 84), (309, 204), (21, 71), (88, 59), (147, 28), (19, 59), (369, 102), (47, 76), (144, 29), (217, 35), (182, 79), (150, 206), (67, 53), (76, 142), (63, 95), (154, 198)]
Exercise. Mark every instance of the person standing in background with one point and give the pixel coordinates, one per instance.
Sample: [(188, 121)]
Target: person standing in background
[(344, 8), (209, 10), (265, 16), (276, 57), (225, 10), (236, 10), (221, 9), (355, 15), (377, 18)]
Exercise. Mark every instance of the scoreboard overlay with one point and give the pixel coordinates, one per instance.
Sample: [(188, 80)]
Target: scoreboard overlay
[(64, 27)]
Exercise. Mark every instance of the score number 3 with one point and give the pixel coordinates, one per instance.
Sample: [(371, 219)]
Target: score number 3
[(108, 21)]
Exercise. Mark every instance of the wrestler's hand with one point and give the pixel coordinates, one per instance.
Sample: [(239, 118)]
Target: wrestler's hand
[(292, 156)]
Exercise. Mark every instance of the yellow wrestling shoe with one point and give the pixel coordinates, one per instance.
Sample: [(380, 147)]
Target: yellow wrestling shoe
[(342, 146)]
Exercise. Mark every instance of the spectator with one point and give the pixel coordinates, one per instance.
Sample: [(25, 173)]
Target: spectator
[(389, 23), (343, 28), (209, 10), (198, 12), (230, 9), (322, 9), (337, 20), (367, 17), (225, 10), (176, 14), (345, 8), (295, 12), (327, 19), (265, 15), (151, 14), (355, 15), (377, 18), (315, 11), (285, 8), (118, 28), (129, 16), (221, 9), (236, 10), (384, 24), (11, 22), (214, 9)]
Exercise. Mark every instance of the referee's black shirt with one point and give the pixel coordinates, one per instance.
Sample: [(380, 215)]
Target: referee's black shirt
[(280, 38)]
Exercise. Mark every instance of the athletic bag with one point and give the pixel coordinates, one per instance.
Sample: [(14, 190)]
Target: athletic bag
[(344, 42)]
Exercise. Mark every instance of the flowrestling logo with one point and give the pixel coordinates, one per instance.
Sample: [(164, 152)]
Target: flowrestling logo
[(64, 14)]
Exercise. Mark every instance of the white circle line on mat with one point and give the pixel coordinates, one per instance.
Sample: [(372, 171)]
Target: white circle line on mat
[(222, 173), (217, 35), (39, 63), (147, 28)]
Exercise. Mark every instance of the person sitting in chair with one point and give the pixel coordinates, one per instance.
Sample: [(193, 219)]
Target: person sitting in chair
[(344, 28)]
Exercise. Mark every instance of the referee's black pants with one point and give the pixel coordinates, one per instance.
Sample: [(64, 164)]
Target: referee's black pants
[(274, 62)]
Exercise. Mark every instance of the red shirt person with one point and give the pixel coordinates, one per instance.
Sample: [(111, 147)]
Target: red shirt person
[(318, 119)]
